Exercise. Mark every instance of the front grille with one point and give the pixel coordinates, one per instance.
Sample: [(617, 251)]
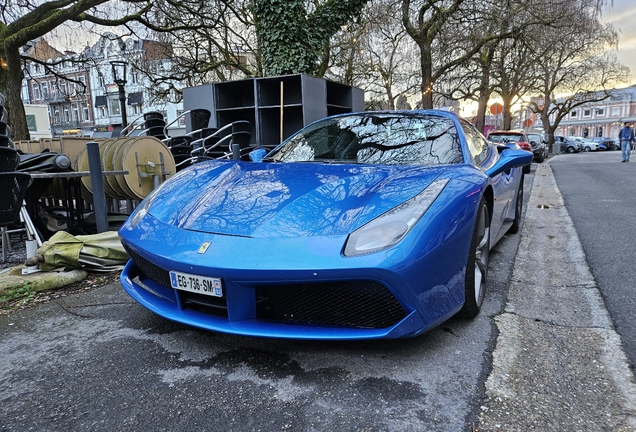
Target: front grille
[(149, 270), (355, 304), (199, 302), (358, 304), (204, 303)]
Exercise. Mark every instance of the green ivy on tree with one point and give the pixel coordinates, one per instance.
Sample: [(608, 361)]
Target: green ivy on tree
[(291, 39)]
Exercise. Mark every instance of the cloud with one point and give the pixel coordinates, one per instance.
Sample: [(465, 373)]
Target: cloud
[(622, 17)]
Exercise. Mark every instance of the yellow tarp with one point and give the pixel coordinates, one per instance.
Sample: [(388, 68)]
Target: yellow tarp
[(95, 252)]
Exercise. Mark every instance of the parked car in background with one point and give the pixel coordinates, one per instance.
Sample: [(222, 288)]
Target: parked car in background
[(605, 143), (539, 146), (585, 144), (567, 144), (518, 137)]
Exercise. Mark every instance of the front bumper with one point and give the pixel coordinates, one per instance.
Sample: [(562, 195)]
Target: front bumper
[(317, 294)]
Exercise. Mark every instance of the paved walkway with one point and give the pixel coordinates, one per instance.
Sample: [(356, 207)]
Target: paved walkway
[(558, 364)]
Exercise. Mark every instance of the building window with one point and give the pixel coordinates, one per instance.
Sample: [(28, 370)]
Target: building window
[(86, 112), (600, 112), (36, 91), (113, 106), (75, 113), (573, 113), (66, 115), (616, 111), (587, 112), (56, 115), (102, 111), (134, 78), (45, 90)]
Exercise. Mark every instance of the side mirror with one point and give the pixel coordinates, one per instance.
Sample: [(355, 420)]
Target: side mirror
[(510, 158)]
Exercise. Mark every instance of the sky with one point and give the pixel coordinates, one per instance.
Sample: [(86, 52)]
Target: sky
[(622, 15)]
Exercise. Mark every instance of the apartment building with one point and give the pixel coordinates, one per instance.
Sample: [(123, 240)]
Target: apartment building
[(601, 119)]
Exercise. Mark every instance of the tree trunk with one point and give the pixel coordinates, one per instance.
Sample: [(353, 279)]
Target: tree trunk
[(549, 129), (15, 107), (480, 120), (507, 114), (426, 65), (484, 88)]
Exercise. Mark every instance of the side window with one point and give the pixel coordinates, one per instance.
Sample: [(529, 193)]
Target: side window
[(477, 144)]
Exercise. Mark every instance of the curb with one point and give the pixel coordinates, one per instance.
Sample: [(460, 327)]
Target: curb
[(558, 363)]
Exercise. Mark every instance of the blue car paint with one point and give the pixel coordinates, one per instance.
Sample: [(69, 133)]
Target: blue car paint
[(297, 259), (425, 271)]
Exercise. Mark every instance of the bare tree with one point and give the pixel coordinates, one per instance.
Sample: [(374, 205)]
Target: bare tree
[(445, 33), (376, 54), (577, 60), (221, 46)]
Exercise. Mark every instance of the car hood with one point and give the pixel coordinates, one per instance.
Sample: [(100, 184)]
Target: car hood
[(285, 199)]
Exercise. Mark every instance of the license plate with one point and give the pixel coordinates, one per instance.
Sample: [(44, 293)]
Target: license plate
[(196, 284)]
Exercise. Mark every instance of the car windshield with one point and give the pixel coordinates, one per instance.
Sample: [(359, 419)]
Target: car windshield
[(534, 137), (378, 138), (503, 138)]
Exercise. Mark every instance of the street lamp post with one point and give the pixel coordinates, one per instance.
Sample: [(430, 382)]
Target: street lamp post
[(119, 76)]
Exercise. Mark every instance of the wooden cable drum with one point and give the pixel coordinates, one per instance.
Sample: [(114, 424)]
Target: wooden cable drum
[(144, 158), (82, 164), (73, 146), (108, 163), (103, 148), (87, 195), (118, 164)]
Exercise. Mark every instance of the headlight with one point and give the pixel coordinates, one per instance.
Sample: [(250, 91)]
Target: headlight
[(391, 227), (142, 208)]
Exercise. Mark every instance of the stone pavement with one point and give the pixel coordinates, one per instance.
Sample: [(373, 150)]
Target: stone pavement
[(558, 364)]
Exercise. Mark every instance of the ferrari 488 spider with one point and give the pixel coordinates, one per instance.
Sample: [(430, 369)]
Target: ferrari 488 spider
[(359, 226)]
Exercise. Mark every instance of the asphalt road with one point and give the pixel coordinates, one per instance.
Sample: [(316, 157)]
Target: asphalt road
[(99, 361), (600, 195)]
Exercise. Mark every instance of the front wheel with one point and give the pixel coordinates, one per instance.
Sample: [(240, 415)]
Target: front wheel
[(477, 265), (587, 149), (570, 149)]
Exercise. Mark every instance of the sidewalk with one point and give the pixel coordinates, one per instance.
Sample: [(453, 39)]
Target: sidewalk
[(558, 364)]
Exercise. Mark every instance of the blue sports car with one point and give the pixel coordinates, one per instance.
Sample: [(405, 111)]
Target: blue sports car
[(359, 226)]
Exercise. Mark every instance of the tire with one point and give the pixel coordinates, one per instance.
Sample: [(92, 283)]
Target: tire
[(526, 169), (587, 149), (570, 149), (477, 264), (516, 223), (540, 158)]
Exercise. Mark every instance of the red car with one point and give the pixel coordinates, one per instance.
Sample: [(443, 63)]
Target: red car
[(518, 137)]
